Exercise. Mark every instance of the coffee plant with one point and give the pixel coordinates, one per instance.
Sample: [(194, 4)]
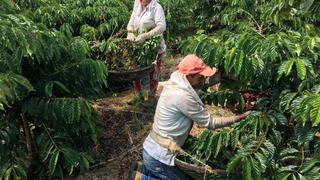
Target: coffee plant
[(267, 53), (46, 121), (53, 57), (103, 16), (179, 18)]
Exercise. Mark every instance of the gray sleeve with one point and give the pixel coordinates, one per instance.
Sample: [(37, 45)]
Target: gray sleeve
[(193, 110)]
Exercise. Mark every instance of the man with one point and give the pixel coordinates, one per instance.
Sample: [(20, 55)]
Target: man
[(178, 106)]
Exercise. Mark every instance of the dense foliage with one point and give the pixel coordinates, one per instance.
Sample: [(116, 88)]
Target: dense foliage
[(268, 52), (91, 19), (46, 123), (53, 56), (179, 18)]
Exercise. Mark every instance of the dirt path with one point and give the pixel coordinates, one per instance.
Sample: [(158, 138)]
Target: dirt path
[(123, 129)]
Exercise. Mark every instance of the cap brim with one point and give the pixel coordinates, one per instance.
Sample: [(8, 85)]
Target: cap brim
[(208, 71)]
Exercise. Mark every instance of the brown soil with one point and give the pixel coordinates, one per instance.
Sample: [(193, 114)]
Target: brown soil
[(123, 129), (170, 64)]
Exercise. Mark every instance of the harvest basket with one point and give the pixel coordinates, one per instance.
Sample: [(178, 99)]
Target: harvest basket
[(200, 172), (130, 75)]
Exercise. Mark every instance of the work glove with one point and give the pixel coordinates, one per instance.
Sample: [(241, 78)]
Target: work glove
[(130, 37), (247, 113), (141, 38), (244, 115)]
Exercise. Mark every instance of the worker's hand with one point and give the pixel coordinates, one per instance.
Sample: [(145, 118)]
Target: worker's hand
[(141, 38), (130, 37)]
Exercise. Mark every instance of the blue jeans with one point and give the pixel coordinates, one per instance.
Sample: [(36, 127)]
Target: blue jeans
[(161, 170)]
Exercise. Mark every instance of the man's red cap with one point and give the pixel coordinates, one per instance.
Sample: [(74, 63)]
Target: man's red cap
[(192, 64)]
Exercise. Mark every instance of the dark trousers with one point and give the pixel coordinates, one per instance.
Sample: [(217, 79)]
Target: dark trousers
[(162, 171)]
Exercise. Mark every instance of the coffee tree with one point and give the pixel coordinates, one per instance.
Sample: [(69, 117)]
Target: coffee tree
[(267, 52), (46, 122), (92, 19)]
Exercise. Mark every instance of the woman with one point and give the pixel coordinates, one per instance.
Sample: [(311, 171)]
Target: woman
[(147, 15)]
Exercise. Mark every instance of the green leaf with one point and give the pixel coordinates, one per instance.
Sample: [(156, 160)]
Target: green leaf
[(53, 162), (308, 165), (84, 165), (256, 167), (280, 118), (212, 54), (312, 43), (262, 160), (21, 173), (293, 177), (270, 147), (62, 87), (301, 69), (301, 177), (229, 60), (234, 162), (208, 150), (316, 89), (71, 156), (7, 174), (285, 68), (48, 89), (315, 112), (239, 62), (283, 176), (305, 133), (219, 144), (314, 173), (49, 151), (286, 100), (290, 168), (247, 170), (289, 151), (289, 158), (14, 88), (198, 49)]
